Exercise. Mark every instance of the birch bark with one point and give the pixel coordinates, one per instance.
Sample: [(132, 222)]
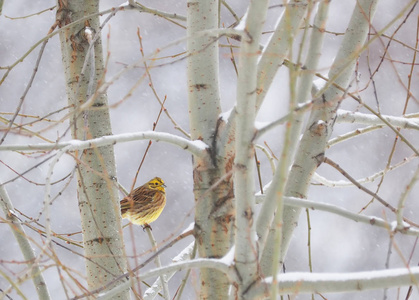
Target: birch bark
[(214, 211), (97, 196)]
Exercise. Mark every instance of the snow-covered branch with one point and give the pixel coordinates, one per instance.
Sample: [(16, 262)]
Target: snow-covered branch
[(184, 255), (309, 283), (219, 264), (370, 220), (344, 116), (195, 147)]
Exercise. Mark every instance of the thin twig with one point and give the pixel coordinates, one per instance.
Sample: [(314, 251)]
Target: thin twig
[(147, 70), (381, 200), (398, 133), (124, 277)]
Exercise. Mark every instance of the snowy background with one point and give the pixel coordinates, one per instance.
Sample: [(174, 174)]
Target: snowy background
[(338, 245)]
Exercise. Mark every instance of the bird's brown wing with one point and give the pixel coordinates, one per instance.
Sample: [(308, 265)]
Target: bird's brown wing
[(138, 198)]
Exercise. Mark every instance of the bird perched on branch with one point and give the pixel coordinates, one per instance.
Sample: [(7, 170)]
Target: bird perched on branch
[(145, 204)]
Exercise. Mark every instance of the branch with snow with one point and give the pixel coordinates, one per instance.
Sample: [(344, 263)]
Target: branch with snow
[(370, 220), (310, 283), (344, 116), (195, 147), (156, 287), (218, 264)]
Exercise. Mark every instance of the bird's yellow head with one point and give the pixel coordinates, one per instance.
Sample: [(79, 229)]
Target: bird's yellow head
[(156, 184)]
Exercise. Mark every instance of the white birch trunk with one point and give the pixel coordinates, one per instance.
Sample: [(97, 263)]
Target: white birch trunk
[(214, 215), (246, 252), (97, 195)]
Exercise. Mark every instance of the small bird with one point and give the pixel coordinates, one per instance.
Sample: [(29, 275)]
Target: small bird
[(145, 204)]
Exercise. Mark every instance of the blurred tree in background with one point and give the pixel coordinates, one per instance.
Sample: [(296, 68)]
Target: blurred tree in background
[(285, 107)]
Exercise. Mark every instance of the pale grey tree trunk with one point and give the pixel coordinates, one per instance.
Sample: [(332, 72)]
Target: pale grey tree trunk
[(246, 252), (214, 214), (97, 195)]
